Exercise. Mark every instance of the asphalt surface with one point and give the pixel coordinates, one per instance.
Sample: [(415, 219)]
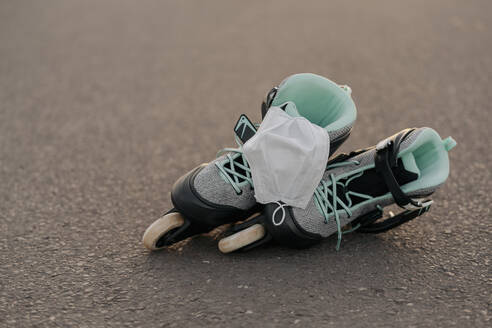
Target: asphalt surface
[(104, 104)]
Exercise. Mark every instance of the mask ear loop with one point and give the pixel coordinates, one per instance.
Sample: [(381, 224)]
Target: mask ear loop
[(280, 206)]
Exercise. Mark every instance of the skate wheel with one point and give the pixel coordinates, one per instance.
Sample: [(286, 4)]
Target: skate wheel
[(159, 228), (242, 238)]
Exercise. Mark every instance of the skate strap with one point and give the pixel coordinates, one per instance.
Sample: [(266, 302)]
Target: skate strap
[(267, 102), (385, 160), (368, 224)]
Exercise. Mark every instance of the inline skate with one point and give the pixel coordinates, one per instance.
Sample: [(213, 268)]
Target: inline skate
[(405, 169), (222, 191)]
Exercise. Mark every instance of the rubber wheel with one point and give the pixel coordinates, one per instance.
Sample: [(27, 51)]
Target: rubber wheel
[(242, 238), (159, 228)]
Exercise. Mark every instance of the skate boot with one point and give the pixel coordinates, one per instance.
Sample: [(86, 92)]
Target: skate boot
[(221, 191), (404, 169)]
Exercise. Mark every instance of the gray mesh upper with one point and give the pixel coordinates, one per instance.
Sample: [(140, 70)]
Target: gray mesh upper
[(212, 187), (340, 132)]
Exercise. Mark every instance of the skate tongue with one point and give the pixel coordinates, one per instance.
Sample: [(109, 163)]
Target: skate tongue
[(410, 164)]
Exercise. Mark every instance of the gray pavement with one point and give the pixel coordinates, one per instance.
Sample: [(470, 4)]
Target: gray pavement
[(104, 104)]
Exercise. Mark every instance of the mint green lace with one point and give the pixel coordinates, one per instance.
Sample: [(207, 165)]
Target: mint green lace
[(236, 160), (327, 189)]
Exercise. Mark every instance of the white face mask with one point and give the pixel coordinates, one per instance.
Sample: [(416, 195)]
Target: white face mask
[(287, 157)]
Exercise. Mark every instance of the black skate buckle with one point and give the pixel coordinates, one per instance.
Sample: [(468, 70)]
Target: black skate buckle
[(418, 205), (387, 147), (368, 219), (244, 128), (383, 145), (368, 225)]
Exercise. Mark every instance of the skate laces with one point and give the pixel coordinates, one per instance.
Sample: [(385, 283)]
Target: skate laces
[(235, 167), (329, 204)]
